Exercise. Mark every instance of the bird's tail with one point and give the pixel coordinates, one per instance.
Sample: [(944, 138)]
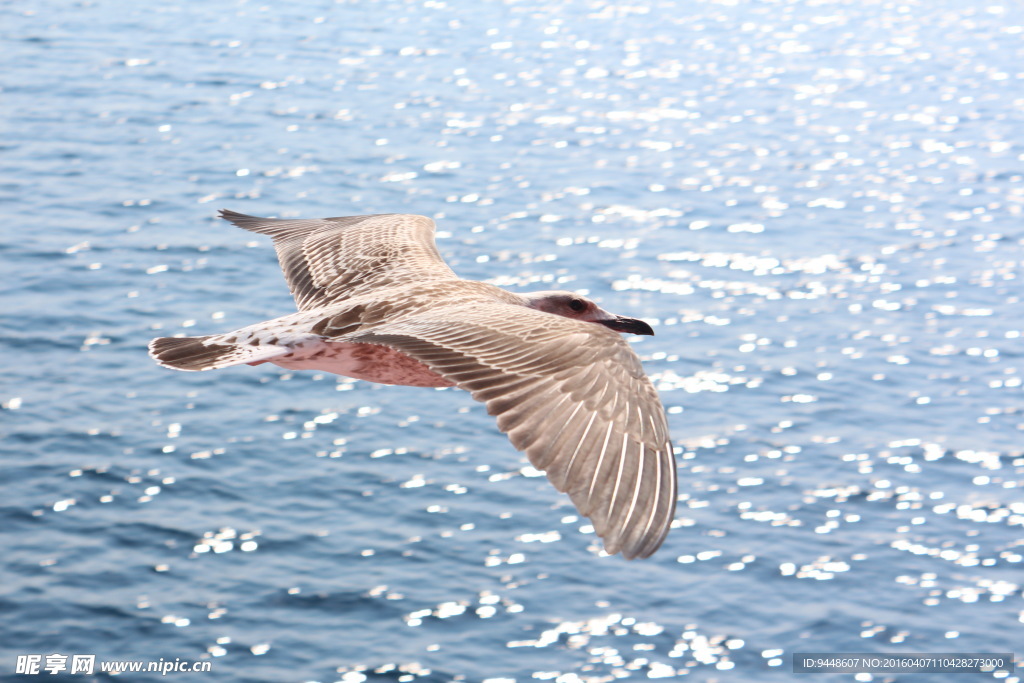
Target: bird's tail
[(208, 353)]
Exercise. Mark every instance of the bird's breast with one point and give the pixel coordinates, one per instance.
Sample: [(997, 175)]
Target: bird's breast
[(369, 362)]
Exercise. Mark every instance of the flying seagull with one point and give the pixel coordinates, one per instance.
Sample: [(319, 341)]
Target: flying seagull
[(377, 302)]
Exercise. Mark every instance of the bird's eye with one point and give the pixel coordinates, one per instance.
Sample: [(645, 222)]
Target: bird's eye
[(577, 305)]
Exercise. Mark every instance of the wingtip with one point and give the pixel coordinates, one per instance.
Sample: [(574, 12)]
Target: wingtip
[(644, 550), (233, 216), (247, 222), (630, 549)]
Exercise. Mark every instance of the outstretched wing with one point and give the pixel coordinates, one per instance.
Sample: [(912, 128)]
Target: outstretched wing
[(328, 259), (572, 395)]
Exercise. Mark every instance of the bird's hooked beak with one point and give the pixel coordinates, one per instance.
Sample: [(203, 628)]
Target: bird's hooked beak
[(631, 325)]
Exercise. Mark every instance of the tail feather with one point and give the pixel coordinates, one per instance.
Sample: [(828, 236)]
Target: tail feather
[(207, 353)]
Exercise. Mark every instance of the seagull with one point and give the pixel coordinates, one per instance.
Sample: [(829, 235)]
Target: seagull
[(377, 302)]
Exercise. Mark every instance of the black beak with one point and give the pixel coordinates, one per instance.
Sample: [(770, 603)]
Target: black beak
[(631, 325)]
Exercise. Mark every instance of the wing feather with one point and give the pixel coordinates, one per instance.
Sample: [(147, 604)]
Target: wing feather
[(572, 395), (330, 259)]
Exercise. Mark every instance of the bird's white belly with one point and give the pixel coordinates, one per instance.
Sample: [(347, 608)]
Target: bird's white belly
[(370, 362)]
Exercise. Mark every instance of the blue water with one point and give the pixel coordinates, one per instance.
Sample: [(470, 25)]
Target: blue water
[(817, 205)]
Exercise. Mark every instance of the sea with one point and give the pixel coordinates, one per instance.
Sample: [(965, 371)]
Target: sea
[(818, 205)]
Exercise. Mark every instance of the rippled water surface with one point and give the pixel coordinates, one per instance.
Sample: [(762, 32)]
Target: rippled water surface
[(818, 206)]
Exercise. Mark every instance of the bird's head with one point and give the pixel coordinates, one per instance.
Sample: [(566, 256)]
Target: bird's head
[(578, 307)]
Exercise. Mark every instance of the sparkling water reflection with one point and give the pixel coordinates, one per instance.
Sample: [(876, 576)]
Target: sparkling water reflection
[(817, 207)]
